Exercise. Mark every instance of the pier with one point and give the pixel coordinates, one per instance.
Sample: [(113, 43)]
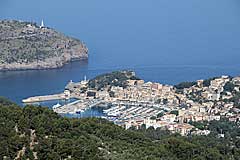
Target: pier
[(45, 98)]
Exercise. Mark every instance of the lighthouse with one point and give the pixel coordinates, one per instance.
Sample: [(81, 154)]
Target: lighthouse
[(42, 24)]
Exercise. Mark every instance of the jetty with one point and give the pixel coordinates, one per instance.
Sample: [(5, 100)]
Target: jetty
[(45, 98)]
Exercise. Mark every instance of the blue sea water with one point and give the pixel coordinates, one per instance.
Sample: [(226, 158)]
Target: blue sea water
[(166, 41)]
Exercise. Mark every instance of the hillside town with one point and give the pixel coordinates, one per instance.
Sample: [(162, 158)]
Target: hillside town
[(138, 104)]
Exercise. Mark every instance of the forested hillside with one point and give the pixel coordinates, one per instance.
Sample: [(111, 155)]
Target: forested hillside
[(37, 132), (116, 78)]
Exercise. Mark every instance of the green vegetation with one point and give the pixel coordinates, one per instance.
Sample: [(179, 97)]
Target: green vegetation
[(174, 112), (117, 78), (153, 118), (92, 138), (111, 94), (207, 82), (160, 114), (165, 101), (236, 100), (229, 86), (230, 129), (185, 85), (199, 125)]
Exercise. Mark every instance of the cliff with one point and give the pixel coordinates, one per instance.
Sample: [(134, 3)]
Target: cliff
[(25, 45)]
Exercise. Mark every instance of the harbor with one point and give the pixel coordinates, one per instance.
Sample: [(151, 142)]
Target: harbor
[(133, 103), (76, 107)]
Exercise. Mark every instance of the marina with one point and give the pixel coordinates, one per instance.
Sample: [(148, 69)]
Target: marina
[(75, 103), (141, 103), (76, 107)]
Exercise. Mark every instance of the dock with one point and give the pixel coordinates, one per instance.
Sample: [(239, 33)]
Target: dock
[(44, 98)]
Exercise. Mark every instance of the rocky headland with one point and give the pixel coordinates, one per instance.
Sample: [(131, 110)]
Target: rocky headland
[(25, 45)]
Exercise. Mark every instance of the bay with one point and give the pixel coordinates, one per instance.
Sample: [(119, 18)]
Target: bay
[(166, 41)]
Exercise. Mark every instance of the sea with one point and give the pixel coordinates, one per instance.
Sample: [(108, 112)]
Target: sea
[(165, 41)]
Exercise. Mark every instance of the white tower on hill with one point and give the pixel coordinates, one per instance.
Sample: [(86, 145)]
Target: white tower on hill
[(84, 82), (42, 24)]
